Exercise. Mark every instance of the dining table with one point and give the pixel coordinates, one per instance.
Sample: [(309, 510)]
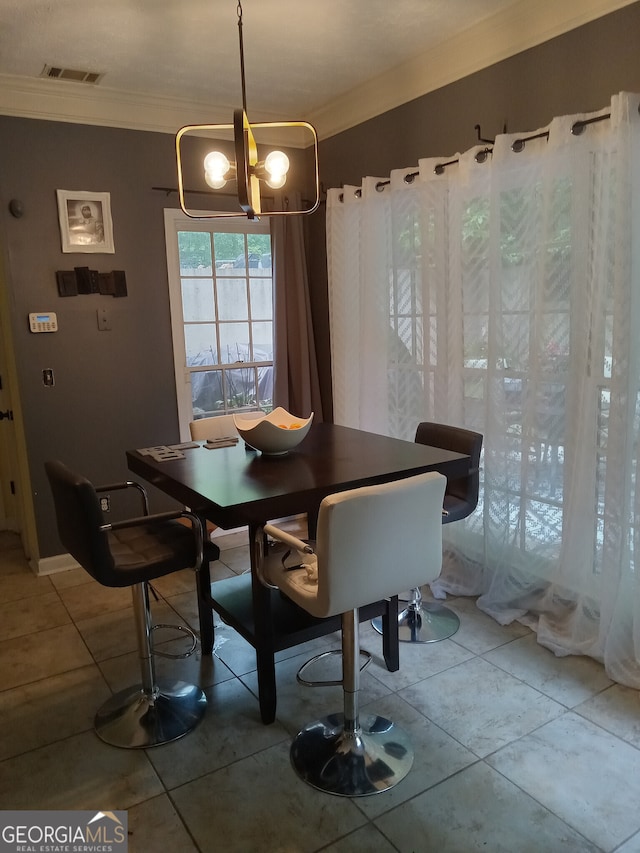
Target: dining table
[(235, 486)]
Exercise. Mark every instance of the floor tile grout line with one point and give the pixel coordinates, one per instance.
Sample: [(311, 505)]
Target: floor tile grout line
[(536, 800), (600, 725), (183, 822), (58, 740), (227, 766), (395, 692), (523, 680)]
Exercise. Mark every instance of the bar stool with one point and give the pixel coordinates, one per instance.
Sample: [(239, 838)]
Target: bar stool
[(428, 621), (370, 542), (132, 553), (221, 426)]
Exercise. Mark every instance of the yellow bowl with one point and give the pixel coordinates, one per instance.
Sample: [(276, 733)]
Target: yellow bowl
[(274, 434)]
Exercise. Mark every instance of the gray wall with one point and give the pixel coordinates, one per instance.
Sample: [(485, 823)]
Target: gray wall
[(114, 390)]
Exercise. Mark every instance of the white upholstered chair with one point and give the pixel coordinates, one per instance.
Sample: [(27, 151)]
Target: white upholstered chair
[(371, 543), (214, 427)]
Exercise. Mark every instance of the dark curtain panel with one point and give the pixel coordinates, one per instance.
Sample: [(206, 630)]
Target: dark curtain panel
[(296, 383)]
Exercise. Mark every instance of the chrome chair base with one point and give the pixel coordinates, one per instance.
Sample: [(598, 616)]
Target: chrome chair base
[(185, 632), (322, 656), (134, 719), (370, 760), (428, 623)]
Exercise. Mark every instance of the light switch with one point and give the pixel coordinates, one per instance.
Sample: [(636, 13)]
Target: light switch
[(104, 319)]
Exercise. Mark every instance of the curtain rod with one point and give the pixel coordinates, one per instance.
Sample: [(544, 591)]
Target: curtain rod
[(169, 190), (481, 156)]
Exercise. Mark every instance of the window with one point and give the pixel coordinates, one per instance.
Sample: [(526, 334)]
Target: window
[(221, 292)]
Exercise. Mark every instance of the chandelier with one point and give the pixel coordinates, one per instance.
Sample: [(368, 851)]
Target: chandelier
[(254, 166)]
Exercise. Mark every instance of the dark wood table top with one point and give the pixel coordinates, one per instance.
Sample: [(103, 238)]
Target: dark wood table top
[(233, 486)]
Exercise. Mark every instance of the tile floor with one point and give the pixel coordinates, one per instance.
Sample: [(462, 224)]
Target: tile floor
[(516, 750)]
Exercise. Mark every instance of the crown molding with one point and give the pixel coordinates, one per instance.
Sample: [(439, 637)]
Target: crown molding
[(80, 103), (519, 27)]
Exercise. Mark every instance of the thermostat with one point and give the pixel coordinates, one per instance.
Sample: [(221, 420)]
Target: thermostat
[(43, 322)]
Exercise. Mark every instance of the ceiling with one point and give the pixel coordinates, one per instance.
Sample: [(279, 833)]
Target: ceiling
[(335, 63)]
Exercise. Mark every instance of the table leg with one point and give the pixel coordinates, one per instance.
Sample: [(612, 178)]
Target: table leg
[(263, 631), (266, 685), (390, 642), (205, 610)]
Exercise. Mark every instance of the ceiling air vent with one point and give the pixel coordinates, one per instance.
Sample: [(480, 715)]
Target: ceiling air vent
[(54, 72)]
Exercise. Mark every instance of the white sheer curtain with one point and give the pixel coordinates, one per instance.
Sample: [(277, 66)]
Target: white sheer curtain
[(501, 291)]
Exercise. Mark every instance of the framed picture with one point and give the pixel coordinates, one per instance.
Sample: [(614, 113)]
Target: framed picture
[(85, 221)]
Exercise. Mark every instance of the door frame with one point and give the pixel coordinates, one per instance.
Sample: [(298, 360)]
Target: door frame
[(16, 501)]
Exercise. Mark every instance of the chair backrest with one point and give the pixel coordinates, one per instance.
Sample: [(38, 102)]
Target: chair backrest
[(461, 495), (215, 427), (79, 517), (377, 541)]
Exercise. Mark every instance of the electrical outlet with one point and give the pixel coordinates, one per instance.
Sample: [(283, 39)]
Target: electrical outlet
[(104, 319), (105, 503)]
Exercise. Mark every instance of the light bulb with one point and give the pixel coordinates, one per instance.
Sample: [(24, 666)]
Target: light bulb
[(216, 166), (216, 182), (216, 163), (276, 181), (277, 166)]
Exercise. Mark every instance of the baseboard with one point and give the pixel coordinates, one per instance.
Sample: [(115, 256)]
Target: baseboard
[(53, 565), (220, 531)]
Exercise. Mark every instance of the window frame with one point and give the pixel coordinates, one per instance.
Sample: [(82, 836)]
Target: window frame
[(174, 221)]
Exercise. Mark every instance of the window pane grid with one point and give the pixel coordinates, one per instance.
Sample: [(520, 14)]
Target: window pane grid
[(227, 296)]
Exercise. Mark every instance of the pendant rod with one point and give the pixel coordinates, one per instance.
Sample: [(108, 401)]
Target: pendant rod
[(244, 90)]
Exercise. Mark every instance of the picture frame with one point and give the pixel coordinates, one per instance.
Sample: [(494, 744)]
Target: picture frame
[(85, 221)]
